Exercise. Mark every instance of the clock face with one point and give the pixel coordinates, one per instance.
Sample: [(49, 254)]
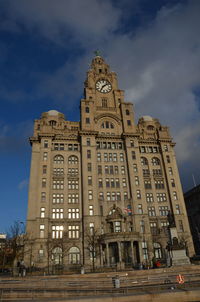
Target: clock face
[(103, 86)]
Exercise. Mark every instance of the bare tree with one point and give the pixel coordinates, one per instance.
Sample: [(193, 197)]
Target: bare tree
[(93, 241)]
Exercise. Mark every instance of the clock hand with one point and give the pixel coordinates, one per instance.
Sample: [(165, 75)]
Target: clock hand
[(103, 86)]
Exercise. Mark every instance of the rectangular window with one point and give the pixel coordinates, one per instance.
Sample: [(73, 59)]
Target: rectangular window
[(122, 170), (175, 195), (58, 184), (98, 156), (117, 183), (107, 183), (128, 122), (105, 157), (88, 141), (91, 227), (44, 169), (89, 167), (87, 120), (45, 156), (108, 196), (133, 155), (142, 227), (114, 157), (137, 181), (124, 182), (149, 197), (125, 195), (99, 169), (112, 183), (43, 196), (117, 170), (135, 169), (180, 223), (100, 183), (117, 226), (140, 210), (88, 153), (168, 159), (173, 182), (138, 194), (73, 213), (111, 170), (159, 184), (57, 231), (57, 213), (101, 196), (72, 184), (73, 198), (146, 172), (89, 180), (163, 210), (121, 157), (161, 197), (73, 231), (170, 171), (147, 184), (154, 228), (42, 212), (46, 144), (44, 182), (151, 211), (41, 230), (145, 250), (90, 195), (58, 198), (178, 209)]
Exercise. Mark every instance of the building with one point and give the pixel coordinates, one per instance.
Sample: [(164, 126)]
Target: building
[(192, 201), (101, 189)]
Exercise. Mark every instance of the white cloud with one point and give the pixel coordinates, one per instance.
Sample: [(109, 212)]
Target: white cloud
[(23, 184)]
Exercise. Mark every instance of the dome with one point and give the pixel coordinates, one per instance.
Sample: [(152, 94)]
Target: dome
[(147, 118), (53, 112)]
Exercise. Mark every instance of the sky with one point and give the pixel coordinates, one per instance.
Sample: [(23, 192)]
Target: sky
[(47, 46)]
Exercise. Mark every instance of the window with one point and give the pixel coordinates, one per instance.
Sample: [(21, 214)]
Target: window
[(157, 172), (144, 161), (180, 223), (41, 230), (111, 170), (178, 209), (175, 195), (135, 169), (87, 120), (101, 196), (90, 195), (44, 182), (142, 226), (165, 147), (155, 161), (41, 253), (124, 182), (89, 167), (107, 183), (127, 112), (44, 169), (88, 141), (98, 156), (117, 183), (73, 231), (88, 153), (108, 196), (91, 227), (46, 144), (121, 157), (159, 184), (173, 182), (117, 226), (42, 212), (137, 181), (157, 250), (58, 159), (73, 198), (149, 197), (57, 213), (115, 157), (59, 171), (153, 228), (43, 196), (73, 214), (74, 255), (89, 180), (91, 210), (57, 231), (138, 194), (72, 160), (87, 109), (58, 184), (170, 171), (100, 183), (116, 169), (147, 184), (72, 184), (58, 198), (140, 210), (45, 156), (104, 103), (125, 195), (146, 172), (151, 211), (133, 155), (163, 210), (129, 122), (168, 159), (161, 197), (145, 250)]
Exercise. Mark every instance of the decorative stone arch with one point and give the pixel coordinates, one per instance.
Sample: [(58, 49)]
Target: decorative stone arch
[(74, 255), (57, 255), (115, 126), (58, 159)]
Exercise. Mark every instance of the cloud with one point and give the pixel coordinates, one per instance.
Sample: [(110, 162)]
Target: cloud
[(23, 184)]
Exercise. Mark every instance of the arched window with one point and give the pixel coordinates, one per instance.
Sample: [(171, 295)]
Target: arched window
[(155, 161), (157, 250), (127, 112), (57, 255), (52, 123), (107, 125), (58, 159), (72, 160), (87, 109), (74, 255), (150, 127), (144, 161)]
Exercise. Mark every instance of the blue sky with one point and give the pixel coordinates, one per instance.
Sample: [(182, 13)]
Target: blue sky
[(45, 50)]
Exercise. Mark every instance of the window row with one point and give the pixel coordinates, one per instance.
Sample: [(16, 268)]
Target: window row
[(59, 159), (110, 145), (112, 196), (69, 147), (111, 170), (111, 183), (110, 157), (149, 149)]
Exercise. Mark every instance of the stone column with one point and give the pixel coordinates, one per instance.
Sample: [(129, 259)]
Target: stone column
[(132, 252), (119, 250)]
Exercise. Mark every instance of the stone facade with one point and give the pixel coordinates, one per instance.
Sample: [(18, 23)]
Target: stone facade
[(100, 189)]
